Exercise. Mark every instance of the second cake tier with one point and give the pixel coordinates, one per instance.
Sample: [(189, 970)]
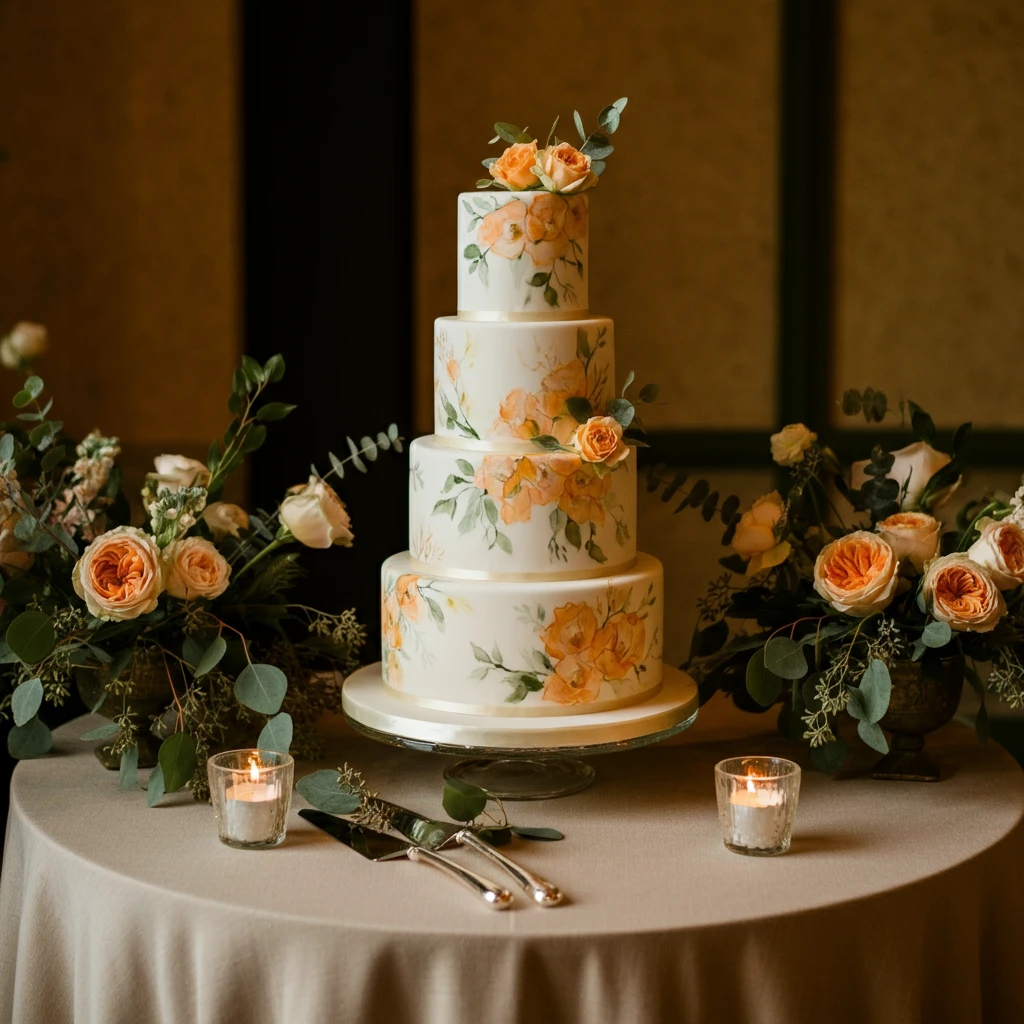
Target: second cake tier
[(519, 514), (522, 648)]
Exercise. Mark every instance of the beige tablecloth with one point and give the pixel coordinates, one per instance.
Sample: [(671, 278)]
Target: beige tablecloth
[(898, 902)]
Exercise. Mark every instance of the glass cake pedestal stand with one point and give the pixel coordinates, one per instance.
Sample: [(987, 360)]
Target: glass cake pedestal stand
[(519, 758)]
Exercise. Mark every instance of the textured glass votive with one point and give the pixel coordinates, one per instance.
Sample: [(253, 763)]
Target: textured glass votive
[(757, 798), (251, 791)]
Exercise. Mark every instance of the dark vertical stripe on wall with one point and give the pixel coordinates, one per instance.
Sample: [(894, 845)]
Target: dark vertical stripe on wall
[(328, 276), (807, 104)]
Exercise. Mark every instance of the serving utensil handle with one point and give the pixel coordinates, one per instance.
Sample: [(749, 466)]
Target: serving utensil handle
[(493, 895), (542, 892)]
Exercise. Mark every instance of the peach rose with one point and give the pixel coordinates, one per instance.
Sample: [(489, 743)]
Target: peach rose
[(755, 532), (570, 632), (573, 682), (223, 519), (195, 569), (584, 494), (1000, 549), (502, 230), (514, 168), (407, 593), (963, 593), (177, 471), (913, 466), (857, 574), (600, 440), (566, 166), (576, 217), (618, 646), (316, 515), (914, 536), (119, 575), (791, 443)]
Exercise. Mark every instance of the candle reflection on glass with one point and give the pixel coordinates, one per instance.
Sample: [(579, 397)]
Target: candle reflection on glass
[(251, 792), (757, 798)]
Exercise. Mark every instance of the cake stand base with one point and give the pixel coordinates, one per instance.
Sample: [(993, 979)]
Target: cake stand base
[(519, 758)]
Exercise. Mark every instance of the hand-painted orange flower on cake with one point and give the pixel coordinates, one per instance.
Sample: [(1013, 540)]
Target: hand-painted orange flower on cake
[(545, 229), (571, 631), (574, 681), (618, 646), (527, 415), (584, 494), (502, 231), (575, 217), (519, 483), (407, 594), (403, 614)]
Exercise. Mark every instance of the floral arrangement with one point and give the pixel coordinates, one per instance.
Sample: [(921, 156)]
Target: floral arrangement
[(847, 572), (181, 630), (558, 166)]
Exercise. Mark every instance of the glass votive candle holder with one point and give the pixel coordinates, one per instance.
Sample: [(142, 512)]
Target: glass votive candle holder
[(757, 798), (251, 792)]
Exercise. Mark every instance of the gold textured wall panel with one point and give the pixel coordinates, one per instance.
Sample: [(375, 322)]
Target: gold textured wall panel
[(930, 258), (119, 208), (682, 244)]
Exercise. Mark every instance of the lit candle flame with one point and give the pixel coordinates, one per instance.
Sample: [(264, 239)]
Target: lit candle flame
[(254, 768), (750, 786)]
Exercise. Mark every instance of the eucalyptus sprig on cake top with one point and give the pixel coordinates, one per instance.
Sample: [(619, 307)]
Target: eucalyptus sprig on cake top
[(183, 630), (846, 579)]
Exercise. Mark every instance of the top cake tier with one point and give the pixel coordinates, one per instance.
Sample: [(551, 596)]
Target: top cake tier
[(523, 256)]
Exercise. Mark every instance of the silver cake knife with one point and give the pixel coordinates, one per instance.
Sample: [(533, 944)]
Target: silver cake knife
[(430, 834)]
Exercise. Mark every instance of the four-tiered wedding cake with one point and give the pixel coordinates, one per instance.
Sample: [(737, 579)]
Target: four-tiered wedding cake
[(523, 593)]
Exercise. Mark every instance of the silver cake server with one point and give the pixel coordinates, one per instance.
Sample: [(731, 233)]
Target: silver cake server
[(430, 834), (377, 846)]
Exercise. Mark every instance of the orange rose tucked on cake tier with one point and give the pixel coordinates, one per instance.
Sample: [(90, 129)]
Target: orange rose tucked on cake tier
[(584, 494), (857, 574), (545, 229), (1000, 549), (574, 681), (963, 594), (600, 440), (514, 168), (502, 231), (618, 646)]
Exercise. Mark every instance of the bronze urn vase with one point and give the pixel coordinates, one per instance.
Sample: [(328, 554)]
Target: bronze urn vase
[(924, 698)]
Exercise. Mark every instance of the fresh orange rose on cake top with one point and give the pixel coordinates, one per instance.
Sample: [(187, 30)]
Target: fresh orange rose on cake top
[(514, 168), (600, 440)]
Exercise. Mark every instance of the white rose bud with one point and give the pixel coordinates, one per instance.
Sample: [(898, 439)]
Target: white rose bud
[(1000, 549), (913, 466), (223, 519), (195, 568), (791, 443), (316, 516), (914, 536), (26, 342), (176, 471), (963, 594)]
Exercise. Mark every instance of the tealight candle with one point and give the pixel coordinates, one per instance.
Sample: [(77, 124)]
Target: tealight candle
[(757, 798), (251, 792)]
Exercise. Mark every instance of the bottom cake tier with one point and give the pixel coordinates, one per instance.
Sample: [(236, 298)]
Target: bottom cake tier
[(490, 647)]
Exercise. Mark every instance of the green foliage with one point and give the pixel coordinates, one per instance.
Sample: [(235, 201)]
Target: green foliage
[(321, 790), (177, 760), (763, 685), (829, 757), (33, 739), (211, 657), (26, 701), (31, 636), (129, 771), (462, 801), (785, 658), (547, 834), (155, 788), (262, 688), (277, 734)]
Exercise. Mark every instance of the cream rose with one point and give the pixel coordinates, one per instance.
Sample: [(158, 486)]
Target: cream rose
[(27, 341), (913, 466), (963, 593), (566, 168), (857, 574), (1000, 549), (13, 560), (914, 536), (223, 518), (600, 440), (754, 538), (790, 444), (514, 168), (195, 568), (119, 575), (316, 516), (176, 471)]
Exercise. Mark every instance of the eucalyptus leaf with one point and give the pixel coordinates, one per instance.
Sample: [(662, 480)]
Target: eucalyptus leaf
[(549, 834), (155, 788), (26, 701), (31, 637), (33, 739), (876, 688), (262, 688), (321, 790), (101, 732), (6, 447), (211, 656), (871, 733), (277, 734), (462, 801), (129, 773), (274, 411), (936, 634), (764, 686), (785, 658), (177, 759), (829, 757)]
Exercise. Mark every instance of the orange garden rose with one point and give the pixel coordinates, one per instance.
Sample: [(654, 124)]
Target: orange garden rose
[(195, 569), (119, 575), (502, 230), (618, 646), (600, 440), (755, 532), (963, 594), (584, 494), (857, 574), (1000, 549), (514, 168), (566, 166), (914, 536), (573, 682), (570, 632), (407, 593)]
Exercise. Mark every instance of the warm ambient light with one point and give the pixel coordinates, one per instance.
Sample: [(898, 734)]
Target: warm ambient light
[(254, 768)]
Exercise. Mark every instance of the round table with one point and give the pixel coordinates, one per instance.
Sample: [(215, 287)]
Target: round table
[(897, 902)]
